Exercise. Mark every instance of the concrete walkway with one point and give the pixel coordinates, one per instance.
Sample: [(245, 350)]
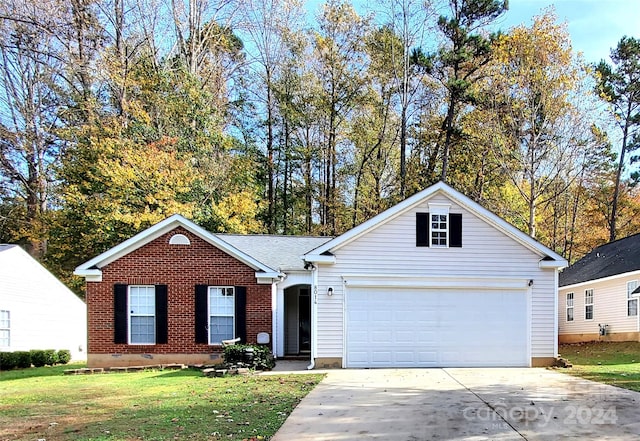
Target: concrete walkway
[(462, 404)]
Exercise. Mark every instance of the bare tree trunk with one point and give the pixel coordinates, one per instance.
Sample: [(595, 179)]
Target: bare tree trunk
[(616, 189)]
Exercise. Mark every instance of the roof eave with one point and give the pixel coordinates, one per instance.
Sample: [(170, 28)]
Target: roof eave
[(319, 258), (554, 264)]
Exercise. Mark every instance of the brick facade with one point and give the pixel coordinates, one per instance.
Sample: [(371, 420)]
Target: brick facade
[(181, 268)]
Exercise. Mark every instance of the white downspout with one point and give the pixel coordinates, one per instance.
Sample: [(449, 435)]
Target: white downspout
[(555, 308), (274, 318), (314, 317)]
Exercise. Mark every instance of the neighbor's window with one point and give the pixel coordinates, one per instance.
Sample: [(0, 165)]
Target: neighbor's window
[(439, 230), (569, 306), (221, 314), (588, 304), (142, 310), (632, 302), (5, 329)]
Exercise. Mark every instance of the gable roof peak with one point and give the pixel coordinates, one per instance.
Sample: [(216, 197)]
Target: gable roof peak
[(554, 259)]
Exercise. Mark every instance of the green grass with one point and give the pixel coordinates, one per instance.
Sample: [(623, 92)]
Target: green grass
[(151, 405), (614, 363)]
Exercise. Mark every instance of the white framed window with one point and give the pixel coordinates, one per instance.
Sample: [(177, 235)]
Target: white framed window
[(5, 328), (439, 225), (142, 314), (221, 314), (569, 306), (632, 302), (439, 230), (588, 304)]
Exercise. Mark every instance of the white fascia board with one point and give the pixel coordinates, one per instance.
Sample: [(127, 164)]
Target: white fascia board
[(268, 278), (603, 279), (407, 281), (90, 275), (557, 264), (161, 228), (319, 258)]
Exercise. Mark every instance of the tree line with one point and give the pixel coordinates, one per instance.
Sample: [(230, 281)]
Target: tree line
[(259, 116)]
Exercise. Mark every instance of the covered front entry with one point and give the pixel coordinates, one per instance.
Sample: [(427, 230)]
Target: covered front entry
[(297, 320), (409, 327)]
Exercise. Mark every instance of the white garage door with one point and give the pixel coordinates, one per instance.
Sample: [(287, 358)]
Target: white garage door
[(435, 328)]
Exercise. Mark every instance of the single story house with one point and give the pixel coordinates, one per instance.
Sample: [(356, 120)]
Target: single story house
[(598, 295), (436, 280), (37, 311)]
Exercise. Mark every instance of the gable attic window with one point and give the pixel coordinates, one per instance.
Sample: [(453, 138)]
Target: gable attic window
[(5, 329), (632, 302), (588, 304), (438, 228), (569, 306), (179, 239)]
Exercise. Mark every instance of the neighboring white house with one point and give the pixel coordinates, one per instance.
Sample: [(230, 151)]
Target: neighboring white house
[(37, 311), (598, 295)]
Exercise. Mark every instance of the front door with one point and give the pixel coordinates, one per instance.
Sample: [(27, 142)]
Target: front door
[(304, 315)]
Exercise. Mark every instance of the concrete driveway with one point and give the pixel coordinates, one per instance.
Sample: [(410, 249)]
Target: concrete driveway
[(462, 404)]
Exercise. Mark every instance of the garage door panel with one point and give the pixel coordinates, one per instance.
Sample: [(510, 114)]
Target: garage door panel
[(411, 327)]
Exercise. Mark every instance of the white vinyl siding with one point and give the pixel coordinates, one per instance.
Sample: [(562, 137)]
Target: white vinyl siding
[(609, 303), (632, 302), (142, 314), (588, 304), (221, 314), (5, 329), (44, 313), (570, 310), (390, 249)]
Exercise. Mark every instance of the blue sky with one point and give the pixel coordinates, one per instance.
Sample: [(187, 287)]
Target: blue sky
[(595, 25)]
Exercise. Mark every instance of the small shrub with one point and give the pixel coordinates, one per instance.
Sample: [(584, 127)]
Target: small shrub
[(38, 357), (50, 357), (252, 356), (8, 361), (64, 356), (23, 359)]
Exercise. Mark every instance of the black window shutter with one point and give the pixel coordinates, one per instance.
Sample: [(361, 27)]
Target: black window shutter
[(241, 313), (202, 314), (120, 316), (162, 331), (422, 229), (455, 230)]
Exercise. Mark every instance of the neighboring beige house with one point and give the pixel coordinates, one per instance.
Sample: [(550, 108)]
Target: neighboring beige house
[(598, 294), (37, 311)]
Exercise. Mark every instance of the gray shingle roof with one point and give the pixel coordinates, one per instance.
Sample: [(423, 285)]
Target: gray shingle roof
[(281, 253), (611, 259)]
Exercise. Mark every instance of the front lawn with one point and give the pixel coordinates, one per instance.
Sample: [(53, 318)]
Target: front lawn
[(615, 363), (41, 403)]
